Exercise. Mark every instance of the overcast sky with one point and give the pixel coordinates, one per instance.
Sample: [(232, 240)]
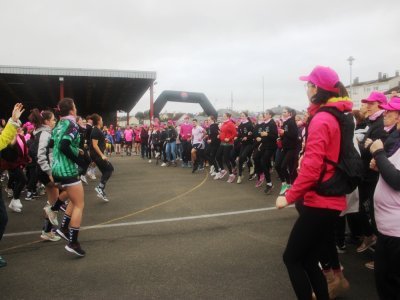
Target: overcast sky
[(217, 47)]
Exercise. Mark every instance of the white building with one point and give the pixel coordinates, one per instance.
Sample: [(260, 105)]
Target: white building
[(361, 90)]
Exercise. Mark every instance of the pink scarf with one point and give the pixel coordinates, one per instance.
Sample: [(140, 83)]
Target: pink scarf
[(376, 115)]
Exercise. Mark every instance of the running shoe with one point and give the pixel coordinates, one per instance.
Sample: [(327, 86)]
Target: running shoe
[(252, 176), (35, 195), (216, 177), (84, 180), (222, 174), (163, 164), (212, 169), (341, 248), (367, 243), (260, 180), (64, 233), (50, 236), (29, 196), (52, 215), (75, 248), (231, 178), (91, 175), (14, 206), (268, 189), (251, 170), (370, 265), (213, 174), (239, 179), (149, 161), (3, 263), (284, 188), (100, 193)]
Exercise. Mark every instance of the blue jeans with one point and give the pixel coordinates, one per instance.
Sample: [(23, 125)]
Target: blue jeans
[(179, 150), (171, 151)]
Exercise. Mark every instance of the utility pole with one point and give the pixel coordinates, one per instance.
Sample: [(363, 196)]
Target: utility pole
[(350, 60)]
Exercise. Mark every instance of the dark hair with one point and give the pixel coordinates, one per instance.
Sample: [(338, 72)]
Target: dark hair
[(38, 118), (65, 106), (194, 120), (291, 111), (212, 117), (270, 112), (96, 119), (358, 116), (228, 114), (322, 96), (88, 117)]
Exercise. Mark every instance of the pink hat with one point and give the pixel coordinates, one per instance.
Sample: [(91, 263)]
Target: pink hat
[(393, 105), (375, 96), (324, 78)]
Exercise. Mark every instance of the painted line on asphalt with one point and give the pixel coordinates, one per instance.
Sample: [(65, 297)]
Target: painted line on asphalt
[(179, 219)]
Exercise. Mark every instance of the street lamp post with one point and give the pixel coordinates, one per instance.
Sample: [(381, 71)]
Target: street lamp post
[(350, 60)]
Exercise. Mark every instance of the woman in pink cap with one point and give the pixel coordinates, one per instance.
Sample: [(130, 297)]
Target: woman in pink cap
[(387, 206), (376, 130), (312, 236)]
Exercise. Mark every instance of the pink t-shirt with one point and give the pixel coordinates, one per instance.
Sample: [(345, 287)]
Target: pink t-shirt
[(128, 135)]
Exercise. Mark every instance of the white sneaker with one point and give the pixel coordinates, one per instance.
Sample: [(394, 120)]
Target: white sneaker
[(212, 169), (163, 165), (222, 174), (217, 176), (157, 154), (13, 206), (213, 174), (239, 180), (149, 161), (52, 215), (84, 180), (252, 170), (50, 236), (17, 203)]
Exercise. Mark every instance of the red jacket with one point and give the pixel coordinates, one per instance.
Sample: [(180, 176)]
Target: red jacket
[(228, 130), (323, 141)]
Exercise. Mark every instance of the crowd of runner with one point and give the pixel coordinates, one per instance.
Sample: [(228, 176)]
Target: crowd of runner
[(55, 152)]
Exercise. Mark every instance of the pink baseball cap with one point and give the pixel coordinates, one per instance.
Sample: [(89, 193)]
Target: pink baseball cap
[(375, 96), (393, 105), (324, 78)]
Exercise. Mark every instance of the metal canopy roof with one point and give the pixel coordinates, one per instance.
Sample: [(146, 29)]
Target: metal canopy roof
[(100, 91)]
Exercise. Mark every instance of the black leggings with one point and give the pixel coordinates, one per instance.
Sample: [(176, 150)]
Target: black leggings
[(17, 181), (106, 169), (3, 216), (311, 235), (245, 154), (266, 160), (224, 156), (387, 267), (286, 165), (31, 173), (366, 191), (211, 153), (186, 148)]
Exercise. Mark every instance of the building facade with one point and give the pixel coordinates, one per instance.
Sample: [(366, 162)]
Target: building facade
[(361, 90)]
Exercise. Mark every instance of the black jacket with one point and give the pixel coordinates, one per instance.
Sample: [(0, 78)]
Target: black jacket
[(290, 137), (269, 142), (246, 130)]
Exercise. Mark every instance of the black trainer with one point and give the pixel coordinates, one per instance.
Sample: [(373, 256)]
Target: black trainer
[(75, 248), (64, 233), (268, 189)]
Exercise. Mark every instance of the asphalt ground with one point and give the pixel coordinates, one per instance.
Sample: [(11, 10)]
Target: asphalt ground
[(165, 234)]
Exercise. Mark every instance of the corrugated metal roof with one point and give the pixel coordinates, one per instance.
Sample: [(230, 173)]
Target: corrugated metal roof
[(77, 72)]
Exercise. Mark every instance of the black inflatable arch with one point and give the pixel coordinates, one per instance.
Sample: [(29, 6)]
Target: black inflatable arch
[(183, 97)]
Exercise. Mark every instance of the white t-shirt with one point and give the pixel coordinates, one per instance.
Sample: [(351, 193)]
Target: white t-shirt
[(197, 133)]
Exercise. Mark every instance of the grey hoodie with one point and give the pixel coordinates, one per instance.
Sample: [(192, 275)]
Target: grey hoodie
[(44, 152)]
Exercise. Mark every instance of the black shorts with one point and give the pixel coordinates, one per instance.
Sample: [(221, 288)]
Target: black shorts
[(198, 146), (43, 177), (67, 181), (129, 144)]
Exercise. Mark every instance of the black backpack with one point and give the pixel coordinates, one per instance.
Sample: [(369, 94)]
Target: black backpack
[(349, 170)]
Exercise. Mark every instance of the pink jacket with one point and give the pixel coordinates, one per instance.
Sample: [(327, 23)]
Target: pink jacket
[(323, 141)]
